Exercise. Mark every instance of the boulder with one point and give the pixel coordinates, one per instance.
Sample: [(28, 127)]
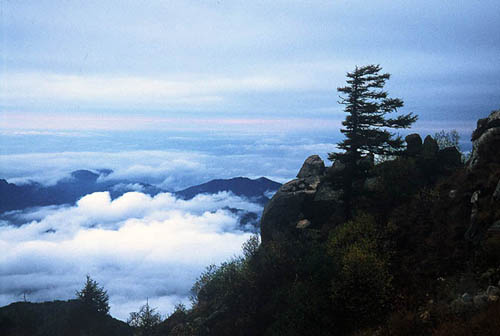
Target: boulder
[(493, 290), (413, 144), (313, 166), (486, 142), (301, 204), (302, 224), (429, 148)]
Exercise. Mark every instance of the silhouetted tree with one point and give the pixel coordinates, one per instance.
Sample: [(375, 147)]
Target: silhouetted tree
[(94, 297), (145, 320), (366, 125)]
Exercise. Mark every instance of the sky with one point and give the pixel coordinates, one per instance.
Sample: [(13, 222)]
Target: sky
[(175, 93), (218, 65)]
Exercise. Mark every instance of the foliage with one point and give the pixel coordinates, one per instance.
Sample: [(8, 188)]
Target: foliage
[(446, 139), (94, 297), (361, 288), (366, 104), (145, 320), (251, 246), (366, 125)]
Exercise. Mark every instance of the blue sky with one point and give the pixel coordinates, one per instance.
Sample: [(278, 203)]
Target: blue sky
[(241, 66)]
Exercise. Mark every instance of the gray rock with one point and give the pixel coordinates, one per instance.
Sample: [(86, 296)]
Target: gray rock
[(486, 141), (304, 197), (429, 148), (474, 231), (313, 166), (493, 290), (282, 212), (326, 192), (413, 144), (303, 224)]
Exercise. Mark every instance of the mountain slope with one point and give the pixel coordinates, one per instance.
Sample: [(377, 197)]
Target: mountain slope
[(255, 190)]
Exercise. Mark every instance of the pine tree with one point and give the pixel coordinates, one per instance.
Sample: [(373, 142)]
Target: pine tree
[(145, 320), (366, 125), (94, 297)]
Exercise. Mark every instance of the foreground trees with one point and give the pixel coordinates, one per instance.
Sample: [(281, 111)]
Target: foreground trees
[(366, 125)]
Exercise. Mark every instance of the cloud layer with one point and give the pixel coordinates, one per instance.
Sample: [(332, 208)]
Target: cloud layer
[(136, 246)]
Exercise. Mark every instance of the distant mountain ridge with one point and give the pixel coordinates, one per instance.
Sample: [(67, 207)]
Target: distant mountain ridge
[(256, 190), (83, 182)]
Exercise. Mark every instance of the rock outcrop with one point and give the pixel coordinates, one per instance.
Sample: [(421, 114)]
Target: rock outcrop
[(486, 142), (429, 153), (413, 144), (430, 147), (313, 166), (483, 168), (301, 204)]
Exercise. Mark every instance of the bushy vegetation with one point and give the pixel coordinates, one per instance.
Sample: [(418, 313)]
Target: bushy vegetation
[(393, 269)]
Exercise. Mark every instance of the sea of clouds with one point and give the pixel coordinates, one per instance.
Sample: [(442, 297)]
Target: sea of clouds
[(138, 247)]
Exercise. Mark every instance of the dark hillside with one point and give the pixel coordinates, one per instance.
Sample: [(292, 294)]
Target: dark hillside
[(419, 256), (57, 318)]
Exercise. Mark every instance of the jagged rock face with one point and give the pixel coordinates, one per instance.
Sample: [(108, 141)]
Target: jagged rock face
[(484, 166), (300, 204), (413, 144), (313, 166), (486, 141)]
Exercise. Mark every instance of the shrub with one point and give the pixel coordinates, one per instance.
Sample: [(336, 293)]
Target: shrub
[(361, 287)]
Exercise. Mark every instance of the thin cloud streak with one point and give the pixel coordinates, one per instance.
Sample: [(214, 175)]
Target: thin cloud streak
[(22, 122)]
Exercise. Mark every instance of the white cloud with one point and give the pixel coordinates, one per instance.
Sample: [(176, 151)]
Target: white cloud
[(136, 246)]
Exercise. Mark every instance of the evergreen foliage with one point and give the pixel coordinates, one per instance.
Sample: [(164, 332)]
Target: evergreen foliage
[(366, 124), (145, 320), (94, 297)]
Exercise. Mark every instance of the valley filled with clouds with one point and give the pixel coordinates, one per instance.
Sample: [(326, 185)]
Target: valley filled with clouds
[(136, 246)]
